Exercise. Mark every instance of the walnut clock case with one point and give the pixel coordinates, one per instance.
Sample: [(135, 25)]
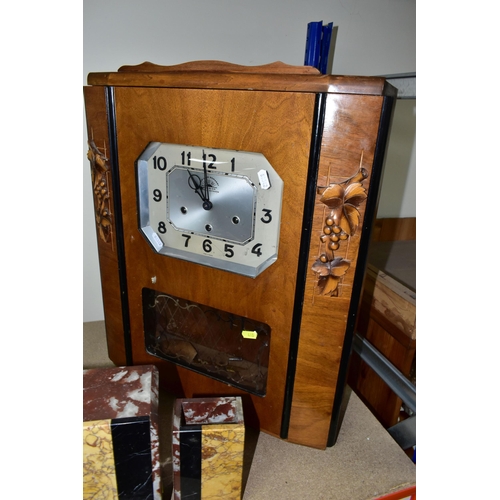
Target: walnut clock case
[(233, 209)]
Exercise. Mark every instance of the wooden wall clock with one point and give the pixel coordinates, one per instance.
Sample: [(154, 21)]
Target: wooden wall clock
[(233, 209)]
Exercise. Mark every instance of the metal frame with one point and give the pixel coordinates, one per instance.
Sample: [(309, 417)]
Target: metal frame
[(403, 432)]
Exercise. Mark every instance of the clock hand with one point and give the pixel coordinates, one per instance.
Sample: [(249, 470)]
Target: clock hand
[(194, 182), (207, 194)]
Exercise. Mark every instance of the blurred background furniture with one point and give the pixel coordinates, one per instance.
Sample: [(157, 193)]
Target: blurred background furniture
[(383, 364)]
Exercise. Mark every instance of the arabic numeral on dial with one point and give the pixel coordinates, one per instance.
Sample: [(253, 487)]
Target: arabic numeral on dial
[(256, 249), (157, 195), (232, 164), (188, 237), (207, 246), (229, 250), (162, 228), (211, 157), (186, 157), (267, 216), (159, 162)]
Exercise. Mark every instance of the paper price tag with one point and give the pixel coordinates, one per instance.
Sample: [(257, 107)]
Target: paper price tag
[(248, 334), (264, 179)]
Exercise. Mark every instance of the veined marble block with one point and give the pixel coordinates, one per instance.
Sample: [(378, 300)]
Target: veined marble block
[(207, 444), (121, 453)]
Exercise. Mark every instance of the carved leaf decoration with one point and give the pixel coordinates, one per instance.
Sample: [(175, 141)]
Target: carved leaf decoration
[(333, 196), (355, 194), (343, 203), (344, 224), (97, 158), (328, 285), (321, 268), (103, 233), (101, 162), (329, 274), (352, 218), (339, 266)]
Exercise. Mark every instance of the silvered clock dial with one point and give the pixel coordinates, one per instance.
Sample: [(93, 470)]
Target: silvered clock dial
[(216, 207)]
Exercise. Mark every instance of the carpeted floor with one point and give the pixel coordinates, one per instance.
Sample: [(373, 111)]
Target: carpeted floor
[(365, 464)]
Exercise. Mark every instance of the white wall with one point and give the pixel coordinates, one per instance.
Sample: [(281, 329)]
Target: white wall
[(374, 37)]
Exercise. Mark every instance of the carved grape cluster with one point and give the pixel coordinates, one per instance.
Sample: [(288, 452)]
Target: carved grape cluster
[(99, 172), (332, 236), (341, 222)]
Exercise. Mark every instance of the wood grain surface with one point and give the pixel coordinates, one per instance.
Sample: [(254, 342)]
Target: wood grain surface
[(349, 140), (97, 133), (278, 125)]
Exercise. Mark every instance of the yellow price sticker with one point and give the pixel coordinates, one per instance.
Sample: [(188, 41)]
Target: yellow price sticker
[(248, 334)]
